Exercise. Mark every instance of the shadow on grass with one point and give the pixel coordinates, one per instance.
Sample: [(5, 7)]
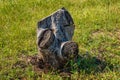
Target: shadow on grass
[(87, 64), (83, 63)]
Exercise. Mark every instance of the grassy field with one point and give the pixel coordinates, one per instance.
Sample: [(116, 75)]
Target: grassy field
[(97, 33)]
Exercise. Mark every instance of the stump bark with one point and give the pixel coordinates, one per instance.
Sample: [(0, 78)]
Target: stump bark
[(54, 38)]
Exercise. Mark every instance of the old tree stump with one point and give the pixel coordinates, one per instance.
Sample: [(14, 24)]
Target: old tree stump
[(54, 35)]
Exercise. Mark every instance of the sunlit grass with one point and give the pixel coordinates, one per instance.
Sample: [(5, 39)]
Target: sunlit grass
[(97, 32)]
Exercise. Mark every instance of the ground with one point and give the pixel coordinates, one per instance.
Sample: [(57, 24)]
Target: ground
[(97, 32)]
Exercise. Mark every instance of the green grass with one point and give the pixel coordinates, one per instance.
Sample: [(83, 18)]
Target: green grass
[(97, 33)]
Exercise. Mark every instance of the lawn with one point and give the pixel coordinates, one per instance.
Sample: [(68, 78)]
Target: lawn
[(97, 32)]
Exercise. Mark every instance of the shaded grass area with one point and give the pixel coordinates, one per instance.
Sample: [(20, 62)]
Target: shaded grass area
[(97, 33), (73, 70)]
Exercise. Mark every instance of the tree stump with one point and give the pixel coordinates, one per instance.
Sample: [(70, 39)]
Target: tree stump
[(54, 35)]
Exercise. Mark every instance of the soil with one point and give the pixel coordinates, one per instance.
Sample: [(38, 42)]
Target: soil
[(64, 71)]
